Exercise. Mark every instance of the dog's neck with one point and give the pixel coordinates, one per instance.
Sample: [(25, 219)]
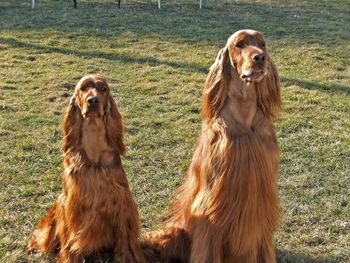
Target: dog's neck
[(241, 103), (94, 140)]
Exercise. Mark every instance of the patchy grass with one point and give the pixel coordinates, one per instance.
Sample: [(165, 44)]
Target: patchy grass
[(156, 62)]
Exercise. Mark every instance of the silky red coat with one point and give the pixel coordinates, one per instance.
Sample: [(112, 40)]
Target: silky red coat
[(95, 210), (227, 209)]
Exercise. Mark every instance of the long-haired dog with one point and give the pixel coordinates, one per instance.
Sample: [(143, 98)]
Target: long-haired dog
[(95, 210), (227, 208)]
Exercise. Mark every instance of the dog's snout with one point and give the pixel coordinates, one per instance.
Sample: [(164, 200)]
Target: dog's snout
[(259, 57), (92, 100)]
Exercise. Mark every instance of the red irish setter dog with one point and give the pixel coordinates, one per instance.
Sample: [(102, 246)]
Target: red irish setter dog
[(95, 209), (227, 209)]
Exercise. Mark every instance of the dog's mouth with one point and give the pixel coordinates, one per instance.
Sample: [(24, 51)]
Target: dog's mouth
[(93, 111), (252, 75)]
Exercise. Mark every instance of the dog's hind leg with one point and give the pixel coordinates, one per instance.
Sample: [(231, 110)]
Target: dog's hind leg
[(45, 237)]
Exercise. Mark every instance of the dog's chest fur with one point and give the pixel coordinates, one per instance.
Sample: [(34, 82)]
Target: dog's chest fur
[(94, 140), (94, 192)]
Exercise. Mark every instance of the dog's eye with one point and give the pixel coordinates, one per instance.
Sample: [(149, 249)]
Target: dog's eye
[(83, 88), (103, 88), (240, 45)]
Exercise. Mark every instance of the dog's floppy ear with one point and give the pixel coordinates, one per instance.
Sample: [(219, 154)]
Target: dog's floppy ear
[(114, 126), (215, 87), (269, 91), (71, 125)]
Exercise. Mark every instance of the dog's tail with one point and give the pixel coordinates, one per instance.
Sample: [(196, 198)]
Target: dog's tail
[(170, 245), (44, 237)]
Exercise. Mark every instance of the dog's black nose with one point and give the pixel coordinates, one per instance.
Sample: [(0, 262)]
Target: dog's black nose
[(259, 57), (92, 100)]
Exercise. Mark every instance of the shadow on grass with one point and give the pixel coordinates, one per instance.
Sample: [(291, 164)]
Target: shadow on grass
[(313, 85), (105, 55), (282, 257), (291, 257), (152, 61)]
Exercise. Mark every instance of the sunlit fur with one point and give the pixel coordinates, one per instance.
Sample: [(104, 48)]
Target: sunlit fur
[(227, 208), (95, 209)]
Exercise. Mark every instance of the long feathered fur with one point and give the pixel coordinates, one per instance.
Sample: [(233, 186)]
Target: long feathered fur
[(227, 208), (95, 209)]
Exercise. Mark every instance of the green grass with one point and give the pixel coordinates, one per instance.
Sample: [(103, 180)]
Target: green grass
[(156, 63)]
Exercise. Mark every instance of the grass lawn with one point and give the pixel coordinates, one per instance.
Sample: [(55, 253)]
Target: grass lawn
[(156, 63)]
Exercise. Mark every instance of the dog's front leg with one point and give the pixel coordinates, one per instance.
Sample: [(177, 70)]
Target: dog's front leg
[(65, 256), (127, 248), (267, 253), (206, 243)]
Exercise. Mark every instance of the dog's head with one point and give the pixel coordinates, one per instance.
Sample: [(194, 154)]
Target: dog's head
[(248, 55), (92, 96), (92, 99), (245, 58)]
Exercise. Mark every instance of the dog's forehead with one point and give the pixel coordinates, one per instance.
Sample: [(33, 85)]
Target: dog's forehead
[(91, 81), (242, 35)]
